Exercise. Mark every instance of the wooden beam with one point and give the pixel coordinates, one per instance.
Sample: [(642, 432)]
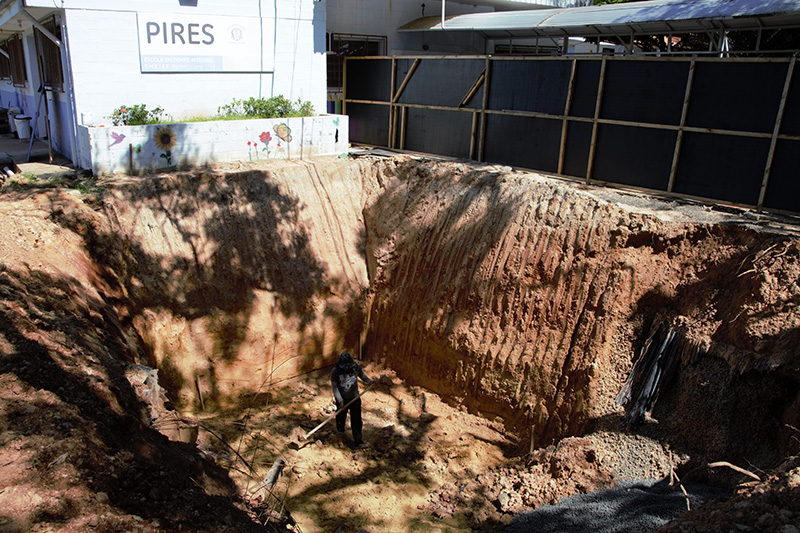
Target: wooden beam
[(487, 84), (474, 89), (393, 80), (567, 105), (403, 120), (778, 122), (679, 140), (403, 85), (472, 140), (597, 106)]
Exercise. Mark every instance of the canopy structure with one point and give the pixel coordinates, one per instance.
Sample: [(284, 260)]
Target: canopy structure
[(510, 5), (654, 17)]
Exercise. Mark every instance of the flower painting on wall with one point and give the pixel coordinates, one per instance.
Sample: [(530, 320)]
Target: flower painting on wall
[(165, 140)]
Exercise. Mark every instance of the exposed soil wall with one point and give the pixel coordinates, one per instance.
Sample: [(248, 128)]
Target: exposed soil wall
[(235, 282), (521, 297), (527, 299)]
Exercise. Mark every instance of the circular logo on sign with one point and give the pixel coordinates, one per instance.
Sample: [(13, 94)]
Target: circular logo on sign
[(237, 33)]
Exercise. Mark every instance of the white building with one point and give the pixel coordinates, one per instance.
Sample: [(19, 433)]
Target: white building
[(188, 57)]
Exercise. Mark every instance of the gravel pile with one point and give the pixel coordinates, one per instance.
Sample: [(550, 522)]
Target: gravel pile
[(631, 506)]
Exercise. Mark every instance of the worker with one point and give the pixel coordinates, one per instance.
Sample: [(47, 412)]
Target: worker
[(344, 381)]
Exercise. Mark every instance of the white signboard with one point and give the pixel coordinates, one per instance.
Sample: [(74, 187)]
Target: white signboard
[(198, 43)]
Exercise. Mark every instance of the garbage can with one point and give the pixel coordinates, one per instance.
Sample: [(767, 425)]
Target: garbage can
[(13, 111), (23, 125)]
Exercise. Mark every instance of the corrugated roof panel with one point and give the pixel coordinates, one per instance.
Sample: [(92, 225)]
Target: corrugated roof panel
[(664, 15)]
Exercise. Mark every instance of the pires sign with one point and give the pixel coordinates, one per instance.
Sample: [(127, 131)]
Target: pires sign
[(197, 43)]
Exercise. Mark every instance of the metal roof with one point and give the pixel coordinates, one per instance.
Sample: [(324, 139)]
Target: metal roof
[(508, 5), (649, 17)]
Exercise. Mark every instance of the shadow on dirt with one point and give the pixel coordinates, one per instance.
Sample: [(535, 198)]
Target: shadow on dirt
[(68, 407), (736, 398), (214, 244)]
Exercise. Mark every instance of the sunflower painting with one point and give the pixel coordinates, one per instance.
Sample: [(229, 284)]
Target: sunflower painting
[(165, 140)]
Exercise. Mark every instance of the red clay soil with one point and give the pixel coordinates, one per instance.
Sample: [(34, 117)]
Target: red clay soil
[(511, 303)]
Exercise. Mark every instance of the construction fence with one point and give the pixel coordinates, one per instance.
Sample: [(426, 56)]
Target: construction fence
[(721, 129)]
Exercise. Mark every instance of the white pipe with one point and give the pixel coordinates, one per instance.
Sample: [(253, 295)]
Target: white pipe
[(70, 86), (442, 14)]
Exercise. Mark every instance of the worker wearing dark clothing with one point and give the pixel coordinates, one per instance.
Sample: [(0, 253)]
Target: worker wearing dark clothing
[(344, 382)]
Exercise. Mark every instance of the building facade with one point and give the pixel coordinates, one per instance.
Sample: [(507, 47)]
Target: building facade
[(188, 57)]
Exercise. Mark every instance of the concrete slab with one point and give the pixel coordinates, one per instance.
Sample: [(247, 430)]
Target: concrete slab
[(14, 152)]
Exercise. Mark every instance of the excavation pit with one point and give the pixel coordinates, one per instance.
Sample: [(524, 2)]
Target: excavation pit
[(512, 303)]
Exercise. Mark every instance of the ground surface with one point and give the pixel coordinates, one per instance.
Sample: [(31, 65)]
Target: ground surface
[(79, 304)]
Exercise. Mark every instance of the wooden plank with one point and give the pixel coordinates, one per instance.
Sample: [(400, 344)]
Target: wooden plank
[(597, 106), (474, 89), (778, 122), (407, 79), (393, 80), (403, 120), (567, 105), (472, 135), (679, 140), (484, 106)]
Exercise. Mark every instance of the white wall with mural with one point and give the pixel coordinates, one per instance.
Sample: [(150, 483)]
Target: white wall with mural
[(135, 149), (188, 57)]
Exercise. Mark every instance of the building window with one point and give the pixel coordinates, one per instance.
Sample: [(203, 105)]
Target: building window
[(19, 74), (5, 63), (52, 71), (341, 45)]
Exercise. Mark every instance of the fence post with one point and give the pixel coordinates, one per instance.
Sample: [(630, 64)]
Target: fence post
[(486, 84), (598, 104), (775, 132), (679, 140), (562, 150)]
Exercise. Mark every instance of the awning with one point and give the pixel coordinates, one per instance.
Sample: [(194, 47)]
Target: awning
[(650, 17), (509, 5)]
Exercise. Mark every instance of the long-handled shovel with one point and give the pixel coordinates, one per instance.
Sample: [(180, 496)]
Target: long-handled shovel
[(305, 437)]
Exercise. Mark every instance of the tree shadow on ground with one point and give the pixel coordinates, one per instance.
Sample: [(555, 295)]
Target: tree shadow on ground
[(214, 244), (80, 420)]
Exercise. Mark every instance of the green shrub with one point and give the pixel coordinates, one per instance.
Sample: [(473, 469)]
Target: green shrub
[(136, 115), (274, 107)]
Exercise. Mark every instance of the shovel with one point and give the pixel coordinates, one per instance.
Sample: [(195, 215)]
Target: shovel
[(305, 437)]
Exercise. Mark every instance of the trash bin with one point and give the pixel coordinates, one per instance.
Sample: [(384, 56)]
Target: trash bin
[(23, 125), (13, 111)]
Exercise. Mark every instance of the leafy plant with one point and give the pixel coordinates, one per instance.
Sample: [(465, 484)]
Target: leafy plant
[(274, 107), (136, 115)]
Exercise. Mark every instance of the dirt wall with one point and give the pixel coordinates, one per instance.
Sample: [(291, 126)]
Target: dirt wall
[(527, 298), (234, 282), (523, 297)]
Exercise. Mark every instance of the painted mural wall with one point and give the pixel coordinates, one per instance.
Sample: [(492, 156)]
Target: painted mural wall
[(157, 147)]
